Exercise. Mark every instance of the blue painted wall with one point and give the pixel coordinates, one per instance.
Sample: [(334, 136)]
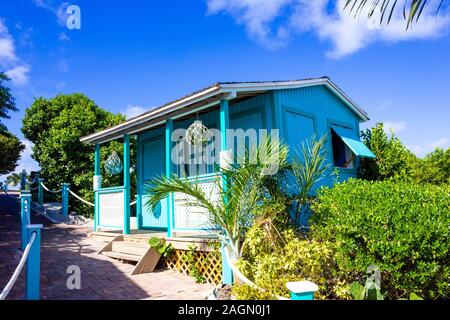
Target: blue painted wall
[(300, 113)]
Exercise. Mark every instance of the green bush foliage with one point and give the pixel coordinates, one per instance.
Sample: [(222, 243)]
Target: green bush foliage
[(401, 227), (392, 157), (433, 168), (275, 254)]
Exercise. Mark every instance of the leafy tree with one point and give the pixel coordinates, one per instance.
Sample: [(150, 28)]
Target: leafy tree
[(392, 157), (11, 148), (55, 126), (433, 168), (412, 10), (7, 101), (10, 145)]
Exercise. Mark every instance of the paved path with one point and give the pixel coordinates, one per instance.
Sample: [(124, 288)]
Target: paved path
[(101, 277)]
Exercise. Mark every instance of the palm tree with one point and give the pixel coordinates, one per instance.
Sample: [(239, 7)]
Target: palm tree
[(14, 179), (238, 196), (309, 167), (412, 9)]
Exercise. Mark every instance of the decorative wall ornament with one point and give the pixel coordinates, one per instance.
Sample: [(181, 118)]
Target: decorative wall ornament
[(197, 134), (113, 164)]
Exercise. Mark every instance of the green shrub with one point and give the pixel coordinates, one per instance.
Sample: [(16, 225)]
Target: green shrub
[(291, 259), (402, 228)]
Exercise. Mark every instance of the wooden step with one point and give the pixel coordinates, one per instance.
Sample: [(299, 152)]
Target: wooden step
[(122, 256), (129, 247), (148, 262), (103, 236)]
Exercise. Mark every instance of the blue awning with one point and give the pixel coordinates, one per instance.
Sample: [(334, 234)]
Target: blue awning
[(352, 141)]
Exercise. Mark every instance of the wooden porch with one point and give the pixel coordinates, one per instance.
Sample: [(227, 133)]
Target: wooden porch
[(134, 248)]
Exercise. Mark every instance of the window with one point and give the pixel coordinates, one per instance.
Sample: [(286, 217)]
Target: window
[(342, 156)]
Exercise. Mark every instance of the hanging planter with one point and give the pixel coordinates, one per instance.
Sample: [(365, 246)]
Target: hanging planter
[(197, 134), (113, 164)]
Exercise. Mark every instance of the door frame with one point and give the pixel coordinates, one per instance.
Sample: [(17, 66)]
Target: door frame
[(141, 182)]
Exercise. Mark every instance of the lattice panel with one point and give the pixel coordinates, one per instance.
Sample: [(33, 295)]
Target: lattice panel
[(208, 263), (192, 217)]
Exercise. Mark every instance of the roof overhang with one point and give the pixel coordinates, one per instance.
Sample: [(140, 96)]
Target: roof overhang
[(207, 98)]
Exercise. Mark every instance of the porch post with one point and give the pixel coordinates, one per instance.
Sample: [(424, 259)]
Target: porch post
[(227, 273), (23, 180), (97, 185), (168, 137), (126, 183)]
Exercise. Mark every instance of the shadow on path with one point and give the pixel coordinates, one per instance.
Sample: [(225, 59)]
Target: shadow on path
[(101, 278)]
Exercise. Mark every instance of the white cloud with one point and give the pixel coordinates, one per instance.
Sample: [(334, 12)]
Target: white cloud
[(7, 47), (63, 37), (63, 65), (422, 150), (133, 111), (272, 22), (58, 10), (396, 127), (385, 104), (19, 75), (257, 16), (16, 69)]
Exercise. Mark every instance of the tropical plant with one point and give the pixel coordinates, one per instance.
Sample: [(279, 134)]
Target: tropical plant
[(412, 9), (160, 245), (190, 257), (240, 189), (401, 227), (14, 179), (270, 265), (55, 127), (309, 166)]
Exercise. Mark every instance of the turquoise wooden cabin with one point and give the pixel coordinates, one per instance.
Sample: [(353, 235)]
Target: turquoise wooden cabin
[(298, 109)]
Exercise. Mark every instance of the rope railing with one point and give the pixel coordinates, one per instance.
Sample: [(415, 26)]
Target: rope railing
[(48, 190), (19, 268), (81, 199)]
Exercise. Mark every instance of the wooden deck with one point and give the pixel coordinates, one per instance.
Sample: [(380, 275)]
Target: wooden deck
[(181, 241)]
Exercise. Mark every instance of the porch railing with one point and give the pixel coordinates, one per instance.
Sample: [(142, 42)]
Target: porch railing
[(110, 203), (193, 218)]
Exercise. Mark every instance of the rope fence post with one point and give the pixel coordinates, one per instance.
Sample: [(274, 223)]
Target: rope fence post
[(302, 290), (41, 192), (23, 180), (25, 203), (65, 199), (33, 270)]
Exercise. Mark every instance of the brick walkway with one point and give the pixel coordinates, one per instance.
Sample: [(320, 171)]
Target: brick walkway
[(101, 277)]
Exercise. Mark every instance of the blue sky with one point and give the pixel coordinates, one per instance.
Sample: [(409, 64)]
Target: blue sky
[(132, 55)]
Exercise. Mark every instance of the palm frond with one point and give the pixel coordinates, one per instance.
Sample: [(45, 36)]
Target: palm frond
[(309, 166), (412, 9)]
